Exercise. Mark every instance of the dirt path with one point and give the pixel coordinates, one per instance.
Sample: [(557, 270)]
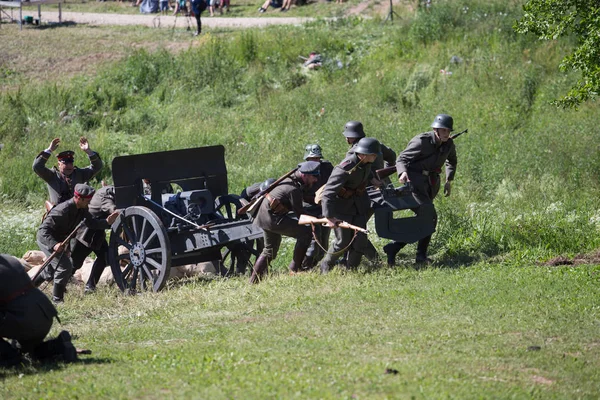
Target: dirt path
[(162, 21), (168, 21)]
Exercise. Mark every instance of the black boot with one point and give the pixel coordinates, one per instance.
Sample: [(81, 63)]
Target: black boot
[(422, 251), (58, 293), (391, 250), (60, 347), (325, 267), (9, 356), (260, 268), (298, 258)]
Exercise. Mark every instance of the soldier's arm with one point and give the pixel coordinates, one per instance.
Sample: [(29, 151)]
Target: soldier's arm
[(47, 232), (296, 201), (451, 163), (95, 223), (336, 181), (39, 166), (95, 166), (412, 152)]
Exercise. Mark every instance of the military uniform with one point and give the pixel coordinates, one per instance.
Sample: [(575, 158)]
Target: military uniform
[(55, 228), (26, 313), (345, 197), (322, 233), (273, 217), (88, 240), (422, 160), (61, 187), (386, 158)]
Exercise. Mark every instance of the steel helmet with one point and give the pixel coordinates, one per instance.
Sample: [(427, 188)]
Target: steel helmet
[(367, 145), (266, 184), (443, 121), (312, 150), (354, 129)]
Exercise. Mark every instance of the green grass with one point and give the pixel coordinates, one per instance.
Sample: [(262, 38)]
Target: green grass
[(450, 333)]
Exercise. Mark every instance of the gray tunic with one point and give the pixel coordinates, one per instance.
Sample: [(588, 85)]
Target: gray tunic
[(422, 160), (100, 207), (289, 194), (341, 179), (60, 187), (59, 223), (25, 312)]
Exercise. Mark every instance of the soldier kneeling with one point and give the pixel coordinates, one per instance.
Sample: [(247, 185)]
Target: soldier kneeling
[(26, 316)]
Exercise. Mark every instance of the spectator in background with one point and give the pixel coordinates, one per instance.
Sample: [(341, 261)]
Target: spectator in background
[(198, 6), (180, 6), (164, 6), (267, 3), (224, 3), (212, 6), (287, 4)]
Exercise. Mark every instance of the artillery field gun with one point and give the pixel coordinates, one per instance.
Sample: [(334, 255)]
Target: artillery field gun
[(158, 230)]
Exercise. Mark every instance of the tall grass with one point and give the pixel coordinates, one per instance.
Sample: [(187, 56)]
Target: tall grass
[(528, 175)]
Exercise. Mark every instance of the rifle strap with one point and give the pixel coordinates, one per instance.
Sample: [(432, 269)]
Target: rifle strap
[(336, 253)]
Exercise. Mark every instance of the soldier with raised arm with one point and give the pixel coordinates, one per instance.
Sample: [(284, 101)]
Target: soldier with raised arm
[(61, 180), (421, 164)]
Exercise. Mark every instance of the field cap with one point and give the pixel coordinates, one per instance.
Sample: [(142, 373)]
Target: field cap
[(84, 191), (309, 167), (66, 156)]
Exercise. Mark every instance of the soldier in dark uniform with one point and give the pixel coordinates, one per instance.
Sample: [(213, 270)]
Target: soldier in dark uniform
[(345, 198), (26, 316), (61, 180), (313, 152), (88, 240), (59, 223), (274, 219), (353, 132), (421, 164), (251, 191)]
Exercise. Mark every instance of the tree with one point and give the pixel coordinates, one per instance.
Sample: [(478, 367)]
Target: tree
[(551, 19)]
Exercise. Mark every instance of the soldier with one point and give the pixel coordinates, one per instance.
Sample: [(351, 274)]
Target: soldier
[(421, 164), (345, 198), (251, 191), (61, 181), (313, 152), (59, 223), (272, 216), (26, 316), (88, 240), (354, 131)]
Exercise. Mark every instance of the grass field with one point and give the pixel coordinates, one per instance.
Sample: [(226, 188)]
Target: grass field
[(526, 191), (449, 333)]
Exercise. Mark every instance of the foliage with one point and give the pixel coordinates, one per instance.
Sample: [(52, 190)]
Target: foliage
[(580, 19)]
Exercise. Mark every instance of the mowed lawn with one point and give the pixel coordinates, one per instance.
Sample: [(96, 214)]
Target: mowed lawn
[(484, 331)]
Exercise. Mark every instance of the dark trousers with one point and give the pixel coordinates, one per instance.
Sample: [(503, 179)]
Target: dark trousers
[(80, 251), (359, 247)]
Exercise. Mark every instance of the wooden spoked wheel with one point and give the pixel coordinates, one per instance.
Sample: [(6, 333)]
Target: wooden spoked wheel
[(139, 251)]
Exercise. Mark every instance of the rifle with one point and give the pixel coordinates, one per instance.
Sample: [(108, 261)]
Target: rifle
[(308, 219), (254, 202), (64, 244), (387, 171)]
